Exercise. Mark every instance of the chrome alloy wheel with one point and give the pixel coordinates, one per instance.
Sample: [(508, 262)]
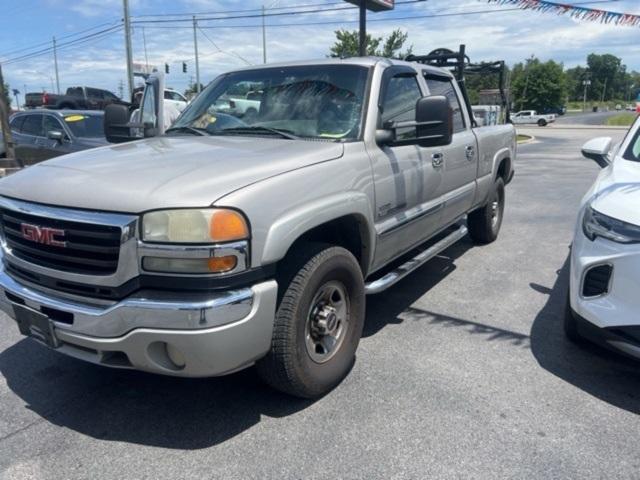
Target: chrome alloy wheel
[(327, 322), (495, 209)]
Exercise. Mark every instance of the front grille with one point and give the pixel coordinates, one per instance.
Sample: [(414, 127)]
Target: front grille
[(596, 281), (90, 249)]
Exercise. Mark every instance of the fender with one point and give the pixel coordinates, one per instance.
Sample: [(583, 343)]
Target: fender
[(295, 223), (498, 157)]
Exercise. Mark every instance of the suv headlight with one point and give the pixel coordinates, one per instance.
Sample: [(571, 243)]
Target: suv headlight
[(596, 224), (208, 225)]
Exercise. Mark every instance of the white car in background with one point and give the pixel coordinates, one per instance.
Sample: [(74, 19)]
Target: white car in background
[(604, 293), (175, 99), (526, 117)]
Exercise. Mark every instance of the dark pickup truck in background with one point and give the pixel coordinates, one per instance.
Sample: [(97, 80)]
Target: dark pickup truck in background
[(76, 98)]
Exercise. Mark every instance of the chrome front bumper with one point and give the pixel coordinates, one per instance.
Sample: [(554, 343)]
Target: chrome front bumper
[(214, 335)]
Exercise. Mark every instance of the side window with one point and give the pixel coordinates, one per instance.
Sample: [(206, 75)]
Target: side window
[(399, 103), (75, 92), (16, 124), (93, 93), (445, 87), (52, 124), (33, 126)]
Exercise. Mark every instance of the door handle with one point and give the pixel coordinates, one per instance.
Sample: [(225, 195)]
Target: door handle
[(437, 159), (469, 152)]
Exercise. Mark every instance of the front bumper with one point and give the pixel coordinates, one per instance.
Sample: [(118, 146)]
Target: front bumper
[(612, 316), (212, 335)]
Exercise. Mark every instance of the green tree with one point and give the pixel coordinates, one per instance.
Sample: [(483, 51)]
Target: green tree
[(608, 76), (536, 85), (347, 43), (191, 90)]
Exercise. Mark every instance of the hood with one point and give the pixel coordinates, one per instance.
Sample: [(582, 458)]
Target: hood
[(162, 172), (618, 193)]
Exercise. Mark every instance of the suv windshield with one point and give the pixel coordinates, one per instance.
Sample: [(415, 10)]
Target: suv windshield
[(319, 101)]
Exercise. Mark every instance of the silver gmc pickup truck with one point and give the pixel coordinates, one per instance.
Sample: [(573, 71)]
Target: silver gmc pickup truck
[(229, 241)]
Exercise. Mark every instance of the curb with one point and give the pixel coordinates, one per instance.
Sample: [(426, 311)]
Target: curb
[(530, 139)]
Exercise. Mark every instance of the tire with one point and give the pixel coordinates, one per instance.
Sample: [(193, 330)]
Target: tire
[(298, 363), (570, 325), (542, 122), (484, 223)]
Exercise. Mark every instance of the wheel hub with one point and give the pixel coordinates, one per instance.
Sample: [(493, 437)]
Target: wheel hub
[(327, 322)]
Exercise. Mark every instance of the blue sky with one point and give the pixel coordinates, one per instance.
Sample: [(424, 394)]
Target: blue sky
[(227, 44)]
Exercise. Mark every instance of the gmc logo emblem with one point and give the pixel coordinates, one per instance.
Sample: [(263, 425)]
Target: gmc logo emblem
[(43, 235)]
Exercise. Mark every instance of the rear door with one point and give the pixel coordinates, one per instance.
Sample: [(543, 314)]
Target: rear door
[(28, 150), (460, 158)]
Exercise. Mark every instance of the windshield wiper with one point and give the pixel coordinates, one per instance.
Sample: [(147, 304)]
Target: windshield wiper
[(186, 129), (260, 128)]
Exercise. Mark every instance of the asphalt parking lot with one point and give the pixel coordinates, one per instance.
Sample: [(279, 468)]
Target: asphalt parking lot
[(463, 372)]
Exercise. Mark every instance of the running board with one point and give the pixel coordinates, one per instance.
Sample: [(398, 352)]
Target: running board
[(394, 276)]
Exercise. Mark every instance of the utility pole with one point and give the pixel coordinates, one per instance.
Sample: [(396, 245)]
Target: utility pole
[(586, 82), (127, 44), (55, 62), (264, 38), (195, 46), (146, 57), (604, 90), (362, 49), (4, 121), (526, 82)]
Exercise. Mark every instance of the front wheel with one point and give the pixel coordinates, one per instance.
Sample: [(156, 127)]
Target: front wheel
[(484, 223), (318, 323)]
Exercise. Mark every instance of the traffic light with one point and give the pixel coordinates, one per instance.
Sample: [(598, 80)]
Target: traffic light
[(166, 68), (184, 67)]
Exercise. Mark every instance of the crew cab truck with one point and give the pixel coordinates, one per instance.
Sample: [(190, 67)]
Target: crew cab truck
[(76, 98), (221, 244), (531, 117)]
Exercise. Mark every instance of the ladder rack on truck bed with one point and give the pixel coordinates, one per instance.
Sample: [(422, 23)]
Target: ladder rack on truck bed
[(460, 64)]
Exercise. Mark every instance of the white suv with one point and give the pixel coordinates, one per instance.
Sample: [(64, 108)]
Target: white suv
[(604, 298)]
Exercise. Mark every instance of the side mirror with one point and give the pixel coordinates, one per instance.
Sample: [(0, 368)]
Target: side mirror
[(117, 128), (433, 125), (434, 121), (56, 135), (598, 150)]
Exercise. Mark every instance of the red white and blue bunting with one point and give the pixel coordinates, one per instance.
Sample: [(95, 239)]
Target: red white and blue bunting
[(579, 13)]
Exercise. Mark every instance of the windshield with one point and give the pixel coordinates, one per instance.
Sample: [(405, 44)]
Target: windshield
[(85, 126), (319, 101), (633, 150)]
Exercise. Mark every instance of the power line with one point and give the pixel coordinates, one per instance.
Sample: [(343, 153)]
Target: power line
[(61, 46)]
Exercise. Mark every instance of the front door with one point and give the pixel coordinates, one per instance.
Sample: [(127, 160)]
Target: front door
[(407, 178)]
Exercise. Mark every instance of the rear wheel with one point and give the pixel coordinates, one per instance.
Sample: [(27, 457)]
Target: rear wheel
[(542, 122), (318, 323), (484, 223)]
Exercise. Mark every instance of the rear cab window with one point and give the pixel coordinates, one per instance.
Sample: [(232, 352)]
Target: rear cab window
[(441, 86)]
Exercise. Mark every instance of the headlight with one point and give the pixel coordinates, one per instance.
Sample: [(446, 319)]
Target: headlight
[(595, 224), (209, 225)]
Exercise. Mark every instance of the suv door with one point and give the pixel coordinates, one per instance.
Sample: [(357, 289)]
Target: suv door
[(407, 184), (460, 158), (50, 147)]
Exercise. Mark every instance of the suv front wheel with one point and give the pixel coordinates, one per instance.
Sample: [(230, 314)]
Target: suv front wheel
[(318, 323)]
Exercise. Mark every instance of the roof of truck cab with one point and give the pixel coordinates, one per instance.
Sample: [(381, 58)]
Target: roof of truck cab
[(358, 61)]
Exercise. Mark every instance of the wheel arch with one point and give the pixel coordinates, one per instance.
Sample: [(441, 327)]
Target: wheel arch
[(343, 220)]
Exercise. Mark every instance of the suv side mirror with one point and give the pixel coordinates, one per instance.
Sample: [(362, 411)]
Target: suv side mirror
[(55, 135), (598, 150), (117, 128), (434, 121)]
